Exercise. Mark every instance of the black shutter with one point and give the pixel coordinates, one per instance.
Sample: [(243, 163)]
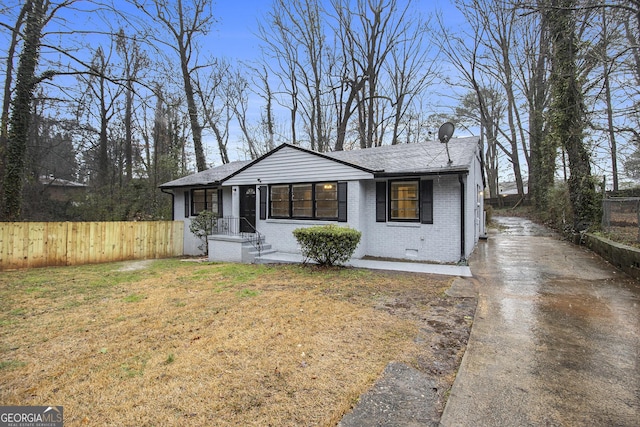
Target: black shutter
[(342, 202), (381, 201), (426, 202), (186, 204), (263, 201), (220, 213)]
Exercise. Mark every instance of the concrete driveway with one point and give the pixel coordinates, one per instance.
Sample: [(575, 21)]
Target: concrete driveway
[(555, 340)]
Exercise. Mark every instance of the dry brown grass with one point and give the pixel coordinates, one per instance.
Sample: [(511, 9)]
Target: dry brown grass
[(627, 235), (202, 344)]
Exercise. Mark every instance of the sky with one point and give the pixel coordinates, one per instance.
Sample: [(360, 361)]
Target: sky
[(234, 33), (234, 37), (238, 20)]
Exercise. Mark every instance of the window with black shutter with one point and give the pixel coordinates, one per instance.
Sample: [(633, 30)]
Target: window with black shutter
[(426, 202)]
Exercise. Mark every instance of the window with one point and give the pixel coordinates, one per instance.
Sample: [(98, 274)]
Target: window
[(322, 200), (326, 200), (404, 200), (280, 201), (409, 200), (302, 200), (206, 199)]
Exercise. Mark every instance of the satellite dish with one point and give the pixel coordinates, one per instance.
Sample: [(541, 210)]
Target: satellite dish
[(445, 132), (444, 135)]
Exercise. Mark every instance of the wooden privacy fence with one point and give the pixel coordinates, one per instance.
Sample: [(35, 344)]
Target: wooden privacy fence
[(39, 244)]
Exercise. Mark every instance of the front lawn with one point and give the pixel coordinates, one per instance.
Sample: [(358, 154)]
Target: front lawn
[(183, 343)]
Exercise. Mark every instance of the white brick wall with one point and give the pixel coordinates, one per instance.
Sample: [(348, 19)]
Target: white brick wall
[(437, 242), (279, 232)]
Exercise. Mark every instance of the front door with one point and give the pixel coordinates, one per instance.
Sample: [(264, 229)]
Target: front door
[(247, 208)]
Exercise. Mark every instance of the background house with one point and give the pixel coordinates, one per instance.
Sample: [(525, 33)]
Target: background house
[(410, 201)]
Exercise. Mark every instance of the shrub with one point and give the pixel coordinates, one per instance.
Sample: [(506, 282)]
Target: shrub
[(560, 214), (327, 244), (203, 226)]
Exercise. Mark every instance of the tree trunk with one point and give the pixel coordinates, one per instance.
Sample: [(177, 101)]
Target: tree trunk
[(8, 81), (128, 141), (567, 112), (196, 129), (607, 94), (543, 149), (21, 112)]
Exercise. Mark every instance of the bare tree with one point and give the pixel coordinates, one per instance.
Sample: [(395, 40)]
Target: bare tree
[(464, 52), (213, 89), (411, 69), (533, 72), (134, 61), (468, 112), (493, 28), (185, 21), (99, 104), (238, 92), (367, 36)]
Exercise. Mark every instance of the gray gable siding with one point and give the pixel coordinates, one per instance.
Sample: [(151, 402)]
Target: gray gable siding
[(289, 165)]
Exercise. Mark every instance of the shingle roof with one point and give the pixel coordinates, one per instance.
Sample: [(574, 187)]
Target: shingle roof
[(207, 177), (424, 157)]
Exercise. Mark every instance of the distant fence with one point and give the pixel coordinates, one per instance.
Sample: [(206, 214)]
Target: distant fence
[(507, 201), (621, 215), (40, 244)]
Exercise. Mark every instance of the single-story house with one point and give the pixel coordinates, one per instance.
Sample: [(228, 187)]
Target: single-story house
[(420, 201), (62, 190)]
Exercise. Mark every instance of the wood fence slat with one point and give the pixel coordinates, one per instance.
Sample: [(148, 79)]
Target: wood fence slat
[(36, 252), (21, 245), (57, 243), (37, 244)]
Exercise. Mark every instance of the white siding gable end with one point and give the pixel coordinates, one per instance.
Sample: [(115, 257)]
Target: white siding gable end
[(290, 165)]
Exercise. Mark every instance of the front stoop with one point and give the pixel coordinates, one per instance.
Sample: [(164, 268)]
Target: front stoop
[(236, 248)]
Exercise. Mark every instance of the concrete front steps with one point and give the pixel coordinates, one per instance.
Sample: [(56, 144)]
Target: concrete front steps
[(253, 253), (237, 248)]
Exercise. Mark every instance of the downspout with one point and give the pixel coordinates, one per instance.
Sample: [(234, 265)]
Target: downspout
[(173, 205), (462, 219)]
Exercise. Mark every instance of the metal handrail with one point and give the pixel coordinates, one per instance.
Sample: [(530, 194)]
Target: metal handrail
[(231, 226)]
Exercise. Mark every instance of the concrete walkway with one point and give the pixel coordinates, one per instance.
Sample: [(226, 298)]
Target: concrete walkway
[(414, 267), (555, 339)]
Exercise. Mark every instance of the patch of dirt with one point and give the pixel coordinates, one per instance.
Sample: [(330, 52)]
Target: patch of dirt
[(417, 392), (135, 265)]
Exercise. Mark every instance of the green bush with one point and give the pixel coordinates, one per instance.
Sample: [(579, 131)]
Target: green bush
[(327, 244), (203, 226)]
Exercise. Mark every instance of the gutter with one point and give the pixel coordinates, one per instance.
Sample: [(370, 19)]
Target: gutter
[(448, 171)]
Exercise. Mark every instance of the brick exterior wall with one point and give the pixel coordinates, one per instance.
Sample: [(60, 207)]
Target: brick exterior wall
[(437, 242)]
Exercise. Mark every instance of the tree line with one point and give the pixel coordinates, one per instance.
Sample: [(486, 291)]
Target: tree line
[(126, 96), (554, 85)]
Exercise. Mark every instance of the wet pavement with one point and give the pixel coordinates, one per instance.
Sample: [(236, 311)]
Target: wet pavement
[(555, 339)]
